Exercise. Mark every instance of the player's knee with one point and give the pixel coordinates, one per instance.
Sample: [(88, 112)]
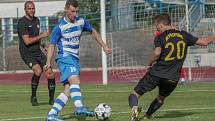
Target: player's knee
[(74, 80), (161, 99), (38, 72)]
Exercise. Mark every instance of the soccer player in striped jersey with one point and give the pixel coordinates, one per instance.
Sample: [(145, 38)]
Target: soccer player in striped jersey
[(66, 35)]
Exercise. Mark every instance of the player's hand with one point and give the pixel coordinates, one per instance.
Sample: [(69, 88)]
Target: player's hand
[(46, 67), (107, 50), (44, 34)]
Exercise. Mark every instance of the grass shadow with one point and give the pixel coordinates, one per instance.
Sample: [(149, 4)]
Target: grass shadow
[(72, 116), (175, 114)]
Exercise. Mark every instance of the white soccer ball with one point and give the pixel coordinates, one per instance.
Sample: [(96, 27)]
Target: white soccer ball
[(102, 111)]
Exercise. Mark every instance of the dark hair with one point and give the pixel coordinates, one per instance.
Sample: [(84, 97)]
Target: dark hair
[(28, 2), (74, 3), (163, 18)]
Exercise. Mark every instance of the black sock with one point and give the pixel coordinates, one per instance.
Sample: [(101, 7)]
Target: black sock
[(34, 85), (51, 87), (132, 100), (156, 104)]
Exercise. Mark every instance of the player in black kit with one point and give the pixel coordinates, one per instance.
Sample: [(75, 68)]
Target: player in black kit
[(164, 65), (29, 46)]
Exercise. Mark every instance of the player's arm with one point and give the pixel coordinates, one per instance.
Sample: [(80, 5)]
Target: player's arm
[(154, 56), (54, 38), (30, 40), (44, 46), (206, 40), (49, 56), (99, 40)]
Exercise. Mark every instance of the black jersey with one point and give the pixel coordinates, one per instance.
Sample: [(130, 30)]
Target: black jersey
[(31, 28), (173, 44)]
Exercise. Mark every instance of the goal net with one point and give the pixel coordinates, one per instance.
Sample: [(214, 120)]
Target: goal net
[(133, 44)]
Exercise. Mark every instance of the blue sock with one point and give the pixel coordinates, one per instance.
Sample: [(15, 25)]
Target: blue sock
[(59, 104), (75, 93)]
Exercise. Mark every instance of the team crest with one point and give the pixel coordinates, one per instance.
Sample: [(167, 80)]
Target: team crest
[(30, 64), (38, 26)]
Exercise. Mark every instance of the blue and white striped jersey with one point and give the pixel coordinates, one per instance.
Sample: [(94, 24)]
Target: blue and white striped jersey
[(67, 36)]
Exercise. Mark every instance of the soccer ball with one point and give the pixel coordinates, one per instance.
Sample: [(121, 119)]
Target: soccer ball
[(102, 111)]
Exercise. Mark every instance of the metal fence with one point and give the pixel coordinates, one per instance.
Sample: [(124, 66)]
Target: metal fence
[(129, 33)]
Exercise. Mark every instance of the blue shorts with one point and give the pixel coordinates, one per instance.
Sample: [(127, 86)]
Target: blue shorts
[(68, 66)]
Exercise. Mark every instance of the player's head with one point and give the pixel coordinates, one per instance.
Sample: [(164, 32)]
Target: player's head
[(29, 9), (162, 21), (71, 9)]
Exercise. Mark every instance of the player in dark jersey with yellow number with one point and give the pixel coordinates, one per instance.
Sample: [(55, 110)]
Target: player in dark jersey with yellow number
[(164, 65)]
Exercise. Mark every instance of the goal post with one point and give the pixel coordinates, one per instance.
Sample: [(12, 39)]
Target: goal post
[(103, 35)]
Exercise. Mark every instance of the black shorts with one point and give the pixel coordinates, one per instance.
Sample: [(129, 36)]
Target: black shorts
[(32, 59), (150, 82)]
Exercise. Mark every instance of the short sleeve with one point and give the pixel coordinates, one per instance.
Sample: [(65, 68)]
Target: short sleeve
[(157, 42), (191, 39), (22, 28), (55, 35), (87, 26)]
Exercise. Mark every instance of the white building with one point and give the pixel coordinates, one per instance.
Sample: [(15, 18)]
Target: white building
[(15, 8)]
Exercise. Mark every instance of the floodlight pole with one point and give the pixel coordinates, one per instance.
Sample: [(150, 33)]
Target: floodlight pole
[(103, 35)]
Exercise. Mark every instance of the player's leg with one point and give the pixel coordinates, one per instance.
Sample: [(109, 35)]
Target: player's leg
[(182, 77), (59, 104), (41, 58), (166, 87), (51, 84), (155, 105), (32, 63), (76, 96), (143, 86), (72, 72), (34, 83), (133, 103), (62, 99)]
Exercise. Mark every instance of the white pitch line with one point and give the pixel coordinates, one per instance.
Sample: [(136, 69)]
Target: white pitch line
[(119, 91), (17, 119), (164, 110), (116, 113)]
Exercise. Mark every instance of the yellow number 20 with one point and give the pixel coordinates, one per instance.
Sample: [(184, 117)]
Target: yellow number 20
[(180, 46)]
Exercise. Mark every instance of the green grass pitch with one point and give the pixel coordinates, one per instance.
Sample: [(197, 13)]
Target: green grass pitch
[(193, 102)]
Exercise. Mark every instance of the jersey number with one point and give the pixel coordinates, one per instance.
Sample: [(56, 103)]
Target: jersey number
[(180, 48), (72, 69)]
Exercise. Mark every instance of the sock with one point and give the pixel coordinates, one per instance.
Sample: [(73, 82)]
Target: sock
[(34, 85), (51, 87), (75, 93), (182, 80), (155, 105), (132, 100), (59, 104)]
